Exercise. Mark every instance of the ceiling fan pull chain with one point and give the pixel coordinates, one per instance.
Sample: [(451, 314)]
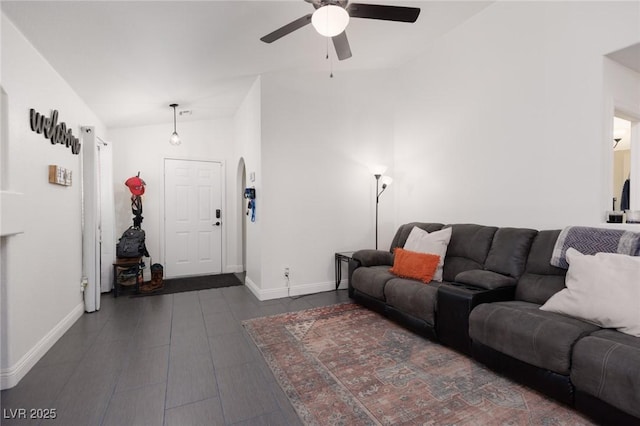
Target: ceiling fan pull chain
[(327, 39), (331, 75), (331, 60)]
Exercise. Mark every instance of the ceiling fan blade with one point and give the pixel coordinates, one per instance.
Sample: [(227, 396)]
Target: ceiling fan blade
[(383, 12), (289, 28), (341, 44)]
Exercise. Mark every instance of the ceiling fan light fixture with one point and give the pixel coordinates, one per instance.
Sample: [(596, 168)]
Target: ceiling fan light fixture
[(330, 20)]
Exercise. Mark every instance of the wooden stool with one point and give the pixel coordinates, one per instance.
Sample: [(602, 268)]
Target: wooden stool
[(124, 264)]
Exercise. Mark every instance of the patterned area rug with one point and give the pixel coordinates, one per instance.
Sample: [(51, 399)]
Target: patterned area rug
[(346, 365)]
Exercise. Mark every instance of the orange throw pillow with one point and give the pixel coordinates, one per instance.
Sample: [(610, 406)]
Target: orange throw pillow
[(411, 264)]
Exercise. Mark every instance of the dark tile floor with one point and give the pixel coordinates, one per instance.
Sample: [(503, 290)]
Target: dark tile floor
[(180, 359)]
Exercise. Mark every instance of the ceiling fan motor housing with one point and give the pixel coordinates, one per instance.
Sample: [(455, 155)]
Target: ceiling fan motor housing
[(319, 3)]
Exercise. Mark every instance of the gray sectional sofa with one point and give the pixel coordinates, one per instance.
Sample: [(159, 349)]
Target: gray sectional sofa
[(487, 306)]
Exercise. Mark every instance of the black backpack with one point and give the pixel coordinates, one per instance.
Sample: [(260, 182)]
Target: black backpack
[(131, 244)]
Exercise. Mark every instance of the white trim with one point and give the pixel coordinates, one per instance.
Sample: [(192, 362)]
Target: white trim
[(252, 287), (297, 290), (9, 377), (90, 199), (234, 269), (272, 293), (635, 164)]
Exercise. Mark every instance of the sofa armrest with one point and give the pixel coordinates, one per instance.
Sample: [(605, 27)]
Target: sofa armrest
[(373, 257), (365, 258), (485, 279), (455, 303)]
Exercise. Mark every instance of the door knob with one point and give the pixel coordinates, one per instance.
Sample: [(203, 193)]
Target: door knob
[(217, 224)]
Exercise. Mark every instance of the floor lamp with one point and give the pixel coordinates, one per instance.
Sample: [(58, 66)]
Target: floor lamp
[(385, 181)]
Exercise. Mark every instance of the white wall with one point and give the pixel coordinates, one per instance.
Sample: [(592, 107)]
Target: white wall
[(143, 149), (42, 266), (247, 146), (501, 123), (320, 135)]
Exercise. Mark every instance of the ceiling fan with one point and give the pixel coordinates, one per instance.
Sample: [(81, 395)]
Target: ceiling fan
[(332, 16)]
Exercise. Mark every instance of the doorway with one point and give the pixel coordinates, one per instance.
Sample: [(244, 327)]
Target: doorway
[(621, 163), (193, 217)]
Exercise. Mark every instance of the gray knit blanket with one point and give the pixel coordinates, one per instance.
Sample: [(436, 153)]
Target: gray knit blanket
[(589, 240)]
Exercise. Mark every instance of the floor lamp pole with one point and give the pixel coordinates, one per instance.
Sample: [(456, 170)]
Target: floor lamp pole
[(377, 199)]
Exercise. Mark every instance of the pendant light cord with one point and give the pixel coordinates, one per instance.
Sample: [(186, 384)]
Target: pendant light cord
[(174, 139), (174, 118)]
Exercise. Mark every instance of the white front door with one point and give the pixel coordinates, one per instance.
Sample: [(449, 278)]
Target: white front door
[(193, 218)]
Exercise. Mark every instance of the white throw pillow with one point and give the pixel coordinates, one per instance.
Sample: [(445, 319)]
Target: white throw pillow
[(603, 289), (433, 243)]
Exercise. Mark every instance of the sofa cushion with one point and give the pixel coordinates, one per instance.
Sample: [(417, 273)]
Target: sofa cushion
[(606, 365), (410, 264), (467, 249), (603, 289), (540, 280), (509, 251), (537, 288), (522, 331), (371, 280), (485, 279), (435, 242), (413, 298), (404, 230)]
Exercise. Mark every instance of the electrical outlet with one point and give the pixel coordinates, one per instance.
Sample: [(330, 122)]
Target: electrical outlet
[(286, 272)]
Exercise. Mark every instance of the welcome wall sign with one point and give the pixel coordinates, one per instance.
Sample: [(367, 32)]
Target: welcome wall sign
[(56, 132)]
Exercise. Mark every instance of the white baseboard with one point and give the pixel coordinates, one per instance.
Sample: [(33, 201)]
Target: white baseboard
[(252, 287), (233, 269), (295, 290), (299, 290), (9, 377)]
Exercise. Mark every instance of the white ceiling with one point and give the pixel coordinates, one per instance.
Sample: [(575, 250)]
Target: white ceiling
[(129, 60)]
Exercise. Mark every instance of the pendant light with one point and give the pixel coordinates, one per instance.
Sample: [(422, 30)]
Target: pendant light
[(174, 139)]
